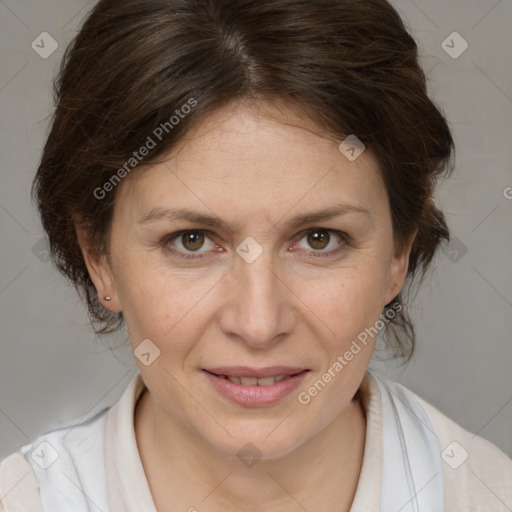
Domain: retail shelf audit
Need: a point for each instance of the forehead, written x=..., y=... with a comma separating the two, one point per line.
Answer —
x=255, y=154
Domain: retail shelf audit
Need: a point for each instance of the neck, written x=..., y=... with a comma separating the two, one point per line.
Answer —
x=321, y=474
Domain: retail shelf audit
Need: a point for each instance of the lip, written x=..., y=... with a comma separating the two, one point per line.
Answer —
x=255, y=396
x=259, y=373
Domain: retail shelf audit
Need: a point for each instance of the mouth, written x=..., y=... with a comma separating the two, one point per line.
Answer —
x=252, y=387
x=253, y=381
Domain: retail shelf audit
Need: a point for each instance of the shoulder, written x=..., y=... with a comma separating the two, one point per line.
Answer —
x=33, y=472
x=19, y=489
x=476, y=473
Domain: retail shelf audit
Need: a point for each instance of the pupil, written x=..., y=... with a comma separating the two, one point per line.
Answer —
x=192, y=241
x=318, y=239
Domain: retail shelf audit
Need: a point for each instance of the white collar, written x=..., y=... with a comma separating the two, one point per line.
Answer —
x=401, y=467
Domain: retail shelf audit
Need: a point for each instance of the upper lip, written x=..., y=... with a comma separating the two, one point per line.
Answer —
x=246, y=371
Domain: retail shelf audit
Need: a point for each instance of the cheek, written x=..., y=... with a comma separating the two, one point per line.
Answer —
x=159, y=304
x=174, y=306
x=348, y=301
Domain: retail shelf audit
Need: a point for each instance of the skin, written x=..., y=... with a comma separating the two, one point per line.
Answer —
x=256, y=167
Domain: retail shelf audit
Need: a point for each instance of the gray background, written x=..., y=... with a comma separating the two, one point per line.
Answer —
x=54, y=371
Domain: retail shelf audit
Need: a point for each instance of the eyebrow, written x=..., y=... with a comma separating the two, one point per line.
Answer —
x=213, y=221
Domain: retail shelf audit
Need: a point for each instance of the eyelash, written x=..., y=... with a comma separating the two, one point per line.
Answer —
x=167, y=241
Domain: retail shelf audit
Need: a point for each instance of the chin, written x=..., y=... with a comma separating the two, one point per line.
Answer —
x=261, y=443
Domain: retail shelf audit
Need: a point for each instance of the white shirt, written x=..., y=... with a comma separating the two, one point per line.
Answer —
x=481, y=483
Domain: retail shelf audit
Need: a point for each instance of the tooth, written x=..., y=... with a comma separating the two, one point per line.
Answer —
x=248, y=381
x=253, y=381
x=266, y=381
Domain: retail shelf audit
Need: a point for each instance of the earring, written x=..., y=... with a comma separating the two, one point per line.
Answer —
x=108, y=298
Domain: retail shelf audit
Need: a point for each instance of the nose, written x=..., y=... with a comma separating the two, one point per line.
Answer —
x=259, y=306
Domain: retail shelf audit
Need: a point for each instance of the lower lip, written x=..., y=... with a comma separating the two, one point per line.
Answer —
x=255, y=396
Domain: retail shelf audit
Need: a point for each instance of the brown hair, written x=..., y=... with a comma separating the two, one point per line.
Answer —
x=351, y=66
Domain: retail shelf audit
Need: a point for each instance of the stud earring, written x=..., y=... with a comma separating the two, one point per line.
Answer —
x=108, y=298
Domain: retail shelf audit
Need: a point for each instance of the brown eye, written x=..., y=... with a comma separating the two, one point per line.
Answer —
x=320, y=242
x=190, y=244
x=192, y=240
x=318, y=239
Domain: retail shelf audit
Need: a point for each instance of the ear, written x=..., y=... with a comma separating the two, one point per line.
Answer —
x=398, y=270
x=99, y=270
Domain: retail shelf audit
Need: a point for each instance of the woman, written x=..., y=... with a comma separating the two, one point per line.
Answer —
x=248, y=186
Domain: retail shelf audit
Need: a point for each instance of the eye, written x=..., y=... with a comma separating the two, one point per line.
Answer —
x=195, y=243
x=188, y=244
x=322, y=242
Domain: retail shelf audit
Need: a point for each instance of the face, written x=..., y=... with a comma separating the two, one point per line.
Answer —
x=256, y=245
